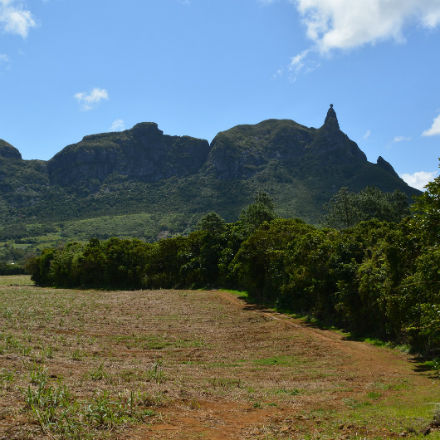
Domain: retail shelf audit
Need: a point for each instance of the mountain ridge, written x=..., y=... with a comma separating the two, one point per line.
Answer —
x=171, y=181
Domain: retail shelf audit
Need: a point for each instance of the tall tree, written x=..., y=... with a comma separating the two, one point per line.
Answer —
x=262, y=210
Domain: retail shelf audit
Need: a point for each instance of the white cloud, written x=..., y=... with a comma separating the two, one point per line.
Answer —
x=297, y=62
x=346, y=24
x=15, y=19
x=302, y=63
x=419, y=179
x=367, y=134
x=435, y=128
x=118, y=125
x=89, y=100
x=401, y=139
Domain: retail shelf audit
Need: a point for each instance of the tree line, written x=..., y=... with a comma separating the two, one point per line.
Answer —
x=374, y=269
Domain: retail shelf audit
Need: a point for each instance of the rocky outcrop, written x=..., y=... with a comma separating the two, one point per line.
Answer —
x=143, y=153
x=7, y=151
x=335, y=145
x=382, y=163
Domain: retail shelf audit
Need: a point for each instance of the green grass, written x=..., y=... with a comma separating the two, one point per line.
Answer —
x=238, y=293
x=16, y=280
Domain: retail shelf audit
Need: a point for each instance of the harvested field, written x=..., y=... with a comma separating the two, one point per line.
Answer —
x=194, y=365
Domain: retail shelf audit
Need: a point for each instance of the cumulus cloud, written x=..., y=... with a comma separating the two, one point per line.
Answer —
x=15, y=19
x=90, y=100
x=118, y=125
x=346, y=24
x=435, y=128
x=398, y=139
x=419, y=179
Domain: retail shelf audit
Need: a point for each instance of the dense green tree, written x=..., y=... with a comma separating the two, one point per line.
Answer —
x=427, y=212
x=212, y=223
x=346, y=208
x=260, y=211
x=342, y=211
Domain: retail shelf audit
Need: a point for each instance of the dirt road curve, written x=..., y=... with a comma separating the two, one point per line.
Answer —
x=358, y=370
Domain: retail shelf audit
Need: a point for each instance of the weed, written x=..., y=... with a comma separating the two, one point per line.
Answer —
x=98, y=373
x=355, y=404
x=433, y=364
x=7, y=314
x=293, y=392
x=77, y=355
x=156, y=373
x=56, y=411
x=6, y=378
x=106, y=413
x=373, y=395
x=46, y=353
x=39, y=376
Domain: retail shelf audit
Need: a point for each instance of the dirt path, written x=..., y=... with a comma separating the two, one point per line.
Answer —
x=374, y=361
x=232, y=420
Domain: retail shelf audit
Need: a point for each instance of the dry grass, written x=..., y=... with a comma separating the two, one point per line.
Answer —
x=184, y=365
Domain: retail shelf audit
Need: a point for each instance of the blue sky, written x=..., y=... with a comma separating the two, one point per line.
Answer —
x=74, y=67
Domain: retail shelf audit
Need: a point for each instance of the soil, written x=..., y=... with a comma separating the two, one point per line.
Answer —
x=210, y=365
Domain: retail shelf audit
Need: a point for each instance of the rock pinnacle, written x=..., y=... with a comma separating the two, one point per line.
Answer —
x=331, y=120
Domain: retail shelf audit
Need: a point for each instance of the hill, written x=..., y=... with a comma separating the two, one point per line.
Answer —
x=141, y=182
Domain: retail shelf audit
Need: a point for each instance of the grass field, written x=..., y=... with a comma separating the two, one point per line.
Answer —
x=194, y=365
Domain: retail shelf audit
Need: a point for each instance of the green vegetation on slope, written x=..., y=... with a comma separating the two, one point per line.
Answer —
x=171, y=182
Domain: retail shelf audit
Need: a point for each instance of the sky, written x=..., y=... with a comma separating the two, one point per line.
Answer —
x=69, y=68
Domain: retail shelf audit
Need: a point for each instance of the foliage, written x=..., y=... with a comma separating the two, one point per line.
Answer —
x=347, y=208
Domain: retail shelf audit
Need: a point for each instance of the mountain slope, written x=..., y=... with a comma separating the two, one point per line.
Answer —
x=172, y=180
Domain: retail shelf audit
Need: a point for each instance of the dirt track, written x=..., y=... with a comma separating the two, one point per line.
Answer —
x=363, y=365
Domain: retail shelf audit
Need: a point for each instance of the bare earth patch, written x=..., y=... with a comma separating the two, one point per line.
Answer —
x=193, y=365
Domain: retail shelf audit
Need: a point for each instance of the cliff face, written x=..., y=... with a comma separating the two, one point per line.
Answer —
x=143, y=153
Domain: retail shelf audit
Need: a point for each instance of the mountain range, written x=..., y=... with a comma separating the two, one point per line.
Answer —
x=144, y=183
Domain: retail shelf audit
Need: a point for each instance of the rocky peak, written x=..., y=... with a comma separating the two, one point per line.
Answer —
x=382, y=163
x=147, y=129
x=8, y=151
x=331, y=120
